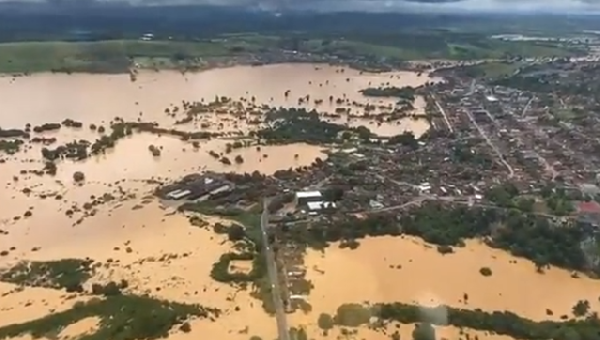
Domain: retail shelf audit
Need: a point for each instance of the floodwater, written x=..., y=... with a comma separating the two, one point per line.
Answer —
x=405, y=331
x=410, y=271
x=44, y=98
x=61, y=226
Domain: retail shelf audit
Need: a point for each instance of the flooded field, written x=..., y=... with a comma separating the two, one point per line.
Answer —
x=405, y=332
x=129, y=232
x=410, y=271
x=99, y=99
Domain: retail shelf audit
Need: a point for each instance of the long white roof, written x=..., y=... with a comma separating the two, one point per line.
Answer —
x=308, y=194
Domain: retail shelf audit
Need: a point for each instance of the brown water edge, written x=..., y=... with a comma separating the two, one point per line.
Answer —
x=405, y=269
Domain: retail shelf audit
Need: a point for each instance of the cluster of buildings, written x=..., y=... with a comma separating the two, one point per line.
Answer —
x=312, y=202
x=481, y=135
x=196, y=187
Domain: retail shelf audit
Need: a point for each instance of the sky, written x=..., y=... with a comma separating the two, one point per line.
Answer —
x=440, y=6
x=543, y=6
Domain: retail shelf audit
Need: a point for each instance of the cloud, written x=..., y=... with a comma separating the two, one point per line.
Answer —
x=429, y=6
x=495, y=6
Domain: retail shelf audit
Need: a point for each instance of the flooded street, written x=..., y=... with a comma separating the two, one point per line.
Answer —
x=51, y=217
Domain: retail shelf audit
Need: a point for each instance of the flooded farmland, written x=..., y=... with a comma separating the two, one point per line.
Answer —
x=407, y=269
x=112, y=217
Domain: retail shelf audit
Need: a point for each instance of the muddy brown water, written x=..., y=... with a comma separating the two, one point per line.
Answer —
x=149, y=229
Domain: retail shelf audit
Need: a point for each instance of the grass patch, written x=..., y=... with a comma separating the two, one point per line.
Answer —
x=250, y=219
x=490, y=69
x=251, y=250
x=116, y=56
x=220, y=271
x=99, y=57
x=10, y=146
x=69, y=274
x=123, y=317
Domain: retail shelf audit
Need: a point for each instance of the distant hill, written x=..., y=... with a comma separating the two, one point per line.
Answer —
x=110, y=19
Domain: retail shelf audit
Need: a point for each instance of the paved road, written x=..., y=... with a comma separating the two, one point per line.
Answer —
x=443, y=113
x=402, y=206
x=527, y=107
x=282, y=328
x=399, y=183
x=472, y=87
x=548, y=168
x=489, y=142
x=459, y=200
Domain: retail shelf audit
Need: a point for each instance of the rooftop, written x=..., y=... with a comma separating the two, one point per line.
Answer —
x=308, y=194
x=313, y=206
x=590, y=207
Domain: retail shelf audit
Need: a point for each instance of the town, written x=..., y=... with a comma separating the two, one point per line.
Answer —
x=314, y=176
x=495, y=146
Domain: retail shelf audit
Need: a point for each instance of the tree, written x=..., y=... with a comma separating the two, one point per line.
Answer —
x=301, y=335
x=78, y=176
x=363, y=132
x=325, y=322
x=50, y=168
x=405, y=139
x=236, y=233
x=581, y=308
x=485, y=271
x=333, y=194
x=567, y=334
x=526, y=204
x=423, y=331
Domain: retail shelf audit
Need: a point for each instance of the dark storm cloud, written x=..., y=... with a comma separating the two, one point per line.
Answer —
x=557, y=6
x=560, y=6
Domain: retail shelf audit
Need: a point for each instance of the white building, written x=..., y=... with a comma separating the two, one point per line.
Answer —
x=319, y=205
x=178, y=194
x=425, y=188
x=303, y=197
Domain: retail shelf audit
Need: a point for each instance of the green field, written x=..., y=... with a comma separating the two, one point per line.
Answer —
x=102, y=57
x=491, y=69
x=117, y=56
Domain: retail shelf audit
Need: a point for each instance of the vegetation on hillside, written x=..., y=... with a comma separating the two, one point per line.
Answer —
x=117, y=54
x=493, y=69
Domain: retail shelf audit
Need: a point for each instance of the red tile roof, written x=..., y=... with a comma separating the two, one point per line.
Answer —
x=591, y=207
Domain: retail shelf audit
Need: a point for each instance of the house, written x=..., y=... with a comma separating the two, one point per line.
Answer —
x=589, y=214
x=375, y=204
x=424, y=188
x=178, y=194
x=588, y=208
x=319, y=205
x=195, y=187
x=303, y=197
